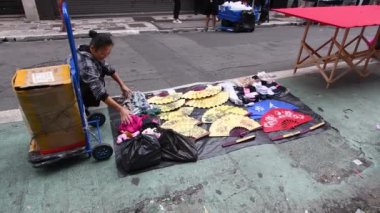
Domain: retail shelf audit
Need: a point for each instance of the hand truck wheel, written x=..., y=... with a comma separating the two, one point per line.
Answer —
x=97, y=116
x=102, y=152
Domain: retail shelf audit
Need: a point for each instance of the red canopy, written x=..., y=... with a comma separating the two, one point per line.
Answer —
x=342, y=16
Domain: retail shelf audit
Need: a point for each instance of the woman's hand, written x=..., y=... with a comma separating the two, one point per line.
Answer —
x=125, y=115
x=126, y=91
x=124, y=112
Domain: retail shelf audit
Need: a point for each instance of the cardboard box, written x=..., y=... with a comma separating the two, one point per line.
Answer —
x=49, y=107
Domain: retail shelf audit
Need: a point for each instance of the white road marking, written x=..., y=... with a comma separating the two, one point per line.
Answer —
x=10, y=116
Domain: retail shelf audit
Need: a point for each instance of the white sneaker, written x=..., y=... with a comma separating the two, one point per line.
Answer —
x=177, y=21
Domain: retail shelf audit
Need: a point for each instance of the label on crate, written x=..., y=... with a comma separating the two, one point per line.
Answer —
x=42, y=77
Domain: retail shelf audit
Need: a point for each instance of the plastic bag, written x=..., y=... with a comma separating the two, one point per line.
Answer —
x=139, y=153
x=176, y=147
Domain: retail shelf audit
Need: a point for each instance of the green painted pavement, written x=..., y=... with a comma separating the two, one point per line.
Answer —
x=311, y=173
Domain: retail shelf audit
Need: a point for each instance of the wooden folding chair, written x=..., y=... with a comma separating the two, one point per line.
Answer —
x=352, y=59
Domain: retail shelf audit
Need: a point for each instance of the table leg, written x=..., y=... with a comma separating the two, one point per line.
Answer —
x=360, y=38
x=332, y=45
x=341, y=48
x=372, y=52
x=302, y=45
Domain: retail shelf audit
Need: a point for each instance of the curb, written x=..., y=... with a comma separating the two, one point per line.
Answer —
x=61, y=36
x=40, y=38
x=200, y=29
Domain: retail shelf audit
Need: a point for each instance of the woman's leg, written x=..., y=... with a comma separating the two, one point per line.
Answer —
x=213, y=21
x=177, y=9
x=207, y=22
x=63, y=26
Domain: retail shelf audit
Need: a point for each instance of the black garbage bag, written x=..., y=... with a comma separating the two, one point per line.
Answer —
x=139, y=153
x=176, y=147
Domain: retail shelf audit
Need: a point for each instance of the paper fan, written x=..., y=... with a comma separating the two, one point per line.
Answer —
x=223, y=126
x=207, y=92
x=183, y=111
x=209, y=102
x=259, y=109
x=282, y=119
x=193, y=131
x=172, y=106
x=186, y=126
x=164, y=99
x=213, y=114
x=180, y=122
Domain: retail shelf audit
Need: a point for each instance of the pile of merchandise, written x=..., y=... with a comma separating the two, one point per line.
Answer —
x=143, y=143
x=234, y=109
x=236, y=6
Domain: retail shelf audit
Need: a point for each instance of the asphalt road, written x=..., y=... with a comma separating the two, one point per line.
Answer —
x=155, y=61
x=311, y=174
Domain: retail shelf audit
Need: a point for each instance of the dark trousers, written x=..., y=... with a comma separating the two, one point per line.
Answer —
x=177, y=8
x=365, y=2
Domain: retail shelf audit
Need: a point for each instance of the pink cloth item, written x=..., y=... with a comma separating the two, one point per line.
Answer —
x=134, y=125
x=135, y=134
x=150, y=131
x=123, y=137
x=246, y=90
x=252, y=95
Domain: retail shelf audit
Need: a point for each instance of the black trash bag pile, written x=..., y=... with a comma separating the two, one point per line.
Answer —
x=176, y=147
x=145, y=151
x=139, y=153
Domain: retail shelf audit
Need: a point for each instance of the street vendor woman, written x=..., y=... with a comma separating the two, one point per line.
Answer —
x=93, y=69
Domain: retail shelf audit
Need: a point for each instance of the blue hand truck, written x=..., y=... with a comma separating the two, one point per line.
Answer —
x=100, y=151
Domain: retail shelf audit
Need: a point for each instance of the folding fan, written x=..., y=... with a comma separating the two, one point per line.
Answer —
x=183, y=111
x=164, y=99
x=180, y=121
x=207, y=92
x=260, y=108
x=193, y=131
x=172, y=106
x=223, y=126
x=215, y=113
x=209, y=102
x=299, y=130
x=186, y=126
x=282, y=119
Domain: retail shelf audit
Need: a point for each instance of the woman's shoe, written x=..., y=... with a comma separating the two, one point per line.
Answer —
x=177, y=21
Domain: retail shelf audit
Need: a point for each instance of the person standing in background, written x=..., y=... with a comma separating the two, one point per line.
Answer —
x=309, y=3
x=177, y=9
x=59, y=4
x=362, y=2
x=211, y=11
x=295, y=3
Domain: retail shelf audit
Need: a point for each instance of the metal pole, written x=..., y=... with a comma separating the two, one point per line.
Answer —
x=75, y=73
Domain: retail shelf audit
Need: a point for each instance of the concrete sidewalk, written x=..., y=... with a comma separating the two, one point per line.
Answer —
x=21, y=30
x=311, y=174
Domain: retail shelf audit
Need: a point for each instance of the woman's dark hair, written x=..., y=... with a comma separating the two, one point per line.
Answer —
x=99, y=40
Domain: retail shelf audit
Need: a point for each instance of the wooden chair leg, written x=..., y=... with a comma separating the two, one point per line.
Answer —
x=341, y=48
x=301, y=46
x=332, y=45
